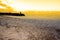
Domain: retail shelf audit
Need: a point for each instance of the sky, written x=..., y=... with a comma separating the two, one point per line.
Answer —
x=40, y=5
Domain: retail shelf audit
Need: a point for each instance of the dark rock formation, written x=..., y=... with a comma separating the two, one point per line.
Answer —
x=13, y=14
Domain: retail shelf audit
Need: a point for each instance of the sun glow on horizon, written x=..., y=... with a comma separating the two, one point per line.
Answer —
x=45, y=5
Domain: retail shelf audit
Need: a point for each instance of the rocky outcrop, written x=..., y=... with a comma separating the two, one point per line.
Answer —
x=11, y=14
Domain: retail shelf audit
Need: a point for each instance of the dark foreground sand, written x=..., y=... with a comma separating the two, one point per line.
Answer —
x=28, y=29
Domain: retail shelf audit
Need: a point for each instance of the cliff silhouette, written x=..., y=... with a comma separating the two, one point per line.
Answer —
x=12, y=14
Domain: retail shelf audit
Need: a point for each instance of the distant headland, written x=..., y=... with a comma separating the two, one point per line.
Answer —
x=12, y=14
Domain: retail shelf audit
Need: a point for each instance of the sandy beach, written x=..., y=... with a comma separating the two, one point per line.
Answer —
x=28, y=29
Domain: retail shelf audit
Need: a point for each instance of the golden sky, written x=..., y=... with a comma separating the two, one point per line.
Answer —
x=41, y=5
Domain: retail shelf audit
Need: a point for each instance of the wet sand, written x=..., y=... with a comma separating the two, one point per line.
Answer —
x=28, y=29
